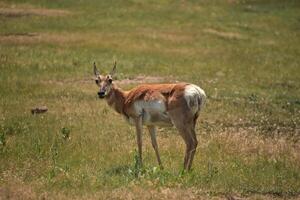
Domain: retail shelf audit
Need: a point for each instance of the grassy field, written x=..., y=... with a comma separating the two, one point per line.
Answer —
x=244, y=53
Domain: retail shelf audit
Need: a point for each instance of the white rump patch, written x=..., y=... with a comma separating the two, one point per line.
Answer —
x=195, y=97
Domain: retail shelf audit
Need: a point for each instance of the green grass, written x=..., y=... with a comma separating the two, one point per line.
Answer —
x=244, y=54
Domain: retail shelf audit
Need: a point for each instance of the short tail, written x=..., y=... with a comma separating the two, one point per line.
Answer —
x=195, y=97
x=202, y=99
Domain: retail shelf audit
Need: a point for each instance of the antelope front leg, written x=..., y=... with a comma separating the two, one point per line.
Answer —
x=154, y=144
x=139, y=131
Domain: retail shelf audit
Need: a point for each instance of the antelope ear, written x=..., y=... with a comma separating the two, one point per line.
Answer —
x=113, y=71
x=96, y=72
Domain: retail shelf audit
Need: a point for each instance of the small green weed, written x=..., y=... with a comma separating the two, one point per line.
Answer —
x=65, y=132
x=2, y=139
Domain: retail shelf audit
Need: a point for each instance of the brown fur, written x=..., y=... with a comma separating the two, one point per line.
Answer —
x=169, y=93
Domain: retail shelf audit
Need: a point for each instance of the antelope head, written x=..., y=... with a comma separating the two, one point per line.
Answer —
x=104, y=82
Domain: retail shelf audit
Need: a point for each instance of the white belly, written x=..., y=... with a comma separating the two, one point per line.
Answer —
x=153, y=113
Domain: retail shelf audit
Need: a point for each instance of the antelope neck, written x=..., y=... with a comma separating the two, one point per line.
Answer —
x=116, y=99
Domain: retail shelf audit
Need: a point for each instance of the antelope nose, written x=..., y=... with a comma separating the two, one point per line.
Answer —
x=101, y=94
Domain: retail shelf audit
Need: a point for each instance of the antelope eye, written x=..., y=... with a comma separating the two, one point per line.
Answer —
x=110, y=80
x=97, y=81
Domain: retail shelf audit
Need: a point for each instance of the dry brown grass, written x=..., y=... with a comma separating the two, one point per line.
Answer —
x=248, y=144
x=17, y=190
x=225, y=35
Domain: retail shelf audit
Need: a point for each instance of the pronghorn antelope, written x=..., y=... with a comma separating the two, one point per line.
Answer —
x=151, y=105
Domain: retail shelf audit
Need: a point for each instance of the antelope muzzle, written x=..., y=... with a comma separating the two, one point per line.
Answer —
x=101, y=95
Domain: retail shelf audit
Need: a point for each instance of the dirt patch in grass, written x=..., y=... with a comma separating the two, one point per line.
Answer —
x=35, y=38
x=28, y=10
x=173, y=36
x=140, y=79
x=136, y=192
x=225, y=35
x=18, y=38
x=15, y=189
